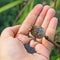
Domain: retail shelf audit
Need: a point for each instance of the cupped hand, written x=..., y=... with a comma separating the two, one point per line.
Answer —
x=12, y=39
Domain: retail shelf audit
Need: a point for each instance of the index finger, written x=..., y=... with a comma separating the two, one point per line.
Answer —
x=30, y=20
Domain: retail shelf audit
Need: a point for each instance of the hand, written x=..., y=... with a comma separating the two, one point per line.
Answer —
x=12, y=39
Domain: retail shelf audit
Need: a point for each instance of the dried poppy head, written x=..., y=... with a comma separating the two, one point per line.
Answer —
x=38, y=32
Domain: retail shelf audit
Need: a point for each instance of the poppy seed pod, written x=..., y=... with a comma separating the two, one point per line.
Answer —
x=38, y=32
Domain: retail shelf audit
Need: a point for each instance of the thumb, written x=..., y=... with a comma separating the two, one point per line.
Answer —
x=10, y=31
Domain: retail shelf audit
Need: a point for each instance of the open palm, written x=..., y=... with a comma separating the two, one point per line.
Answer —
x=12, y=39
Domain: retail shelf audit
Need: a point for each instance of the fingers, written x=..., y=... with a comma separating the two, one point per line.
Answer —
x=41, y=50
x=48, y=17
x=33, y=43
x=10, y=31
x=41, y=18
x=42, y=15
x=30, y=20
x=50, y=32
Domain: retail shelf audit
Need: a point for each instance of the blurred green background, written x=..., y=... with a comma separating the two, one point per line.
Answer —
x=14, y=12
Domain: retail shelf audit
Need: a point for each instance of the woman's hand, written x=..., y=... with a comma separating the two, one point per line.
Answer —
x=12, y=39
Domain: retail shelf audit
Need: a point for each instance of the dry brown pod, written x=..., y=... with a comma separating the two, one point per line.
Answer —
x=39, y=32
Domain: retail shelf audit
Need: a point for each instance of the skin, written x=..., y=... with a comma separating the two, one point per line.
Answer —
x=12, y=39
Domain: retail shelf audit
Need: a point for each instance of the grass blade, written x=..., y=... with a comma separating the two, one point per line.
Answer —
x=10, y=5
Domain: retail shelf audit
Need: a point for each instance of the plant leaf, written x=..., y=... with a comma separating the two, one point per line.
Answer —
x=10, y=5
x=58, y=4
x=47, y=2
x=26, y=11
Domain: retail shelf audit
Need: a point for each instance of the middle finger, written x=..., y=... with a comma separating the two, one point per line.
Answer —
x=42, y=15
